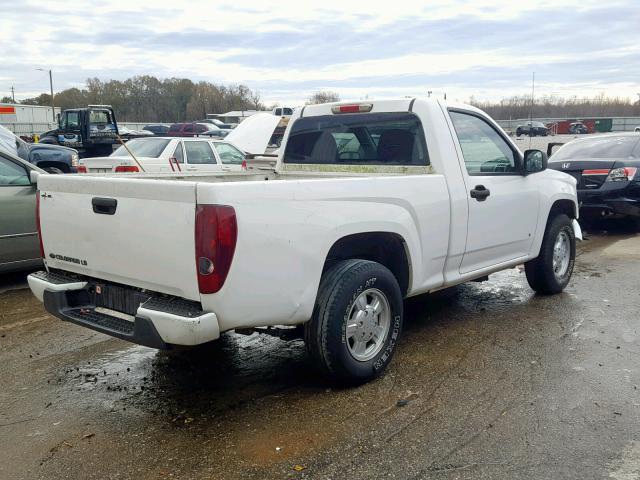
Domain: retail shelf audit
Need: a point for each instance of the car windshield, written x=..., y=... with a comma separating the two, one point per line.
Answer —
x=143, y=147
x=371, y=139
x=599, y=147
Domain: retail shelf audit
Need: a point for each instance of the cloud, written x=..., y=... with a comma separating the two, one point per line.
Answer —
x=288, y=49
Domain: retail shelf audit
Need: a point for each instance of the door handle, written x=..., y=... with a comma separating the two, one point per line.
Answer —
x=104, y=206
x=480, y=193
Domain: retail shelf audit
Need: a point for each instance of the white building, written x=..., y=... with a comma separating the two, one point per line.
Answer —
x=235, y=116
x=27, y=119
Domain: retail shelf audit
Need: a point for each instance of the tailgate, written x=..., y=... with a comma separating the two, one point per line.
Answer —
x=147, y=242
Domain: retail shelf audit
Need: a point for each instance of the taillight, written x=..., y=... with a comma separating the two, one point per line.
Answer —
x=622, y=174
x=81, y=169
x=127, y=168
x=38, y=223
x=216, y=233
x=354, y=108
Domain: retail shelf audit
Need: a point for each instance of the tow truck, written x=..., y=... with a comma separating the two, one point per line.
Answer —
x=92, y=131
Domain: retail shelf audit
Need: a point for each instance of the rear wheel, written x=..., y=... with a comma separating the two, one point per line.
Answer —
x=551, y=271
x=356, y=321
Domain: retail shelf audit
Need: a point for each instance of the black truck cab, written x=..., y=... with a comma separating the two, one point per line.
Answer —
x=92, y=131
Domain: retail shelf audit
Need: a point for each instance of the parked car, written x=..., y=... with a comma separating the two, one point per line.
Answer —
x=128, y=133
x=578, y=128
x=532, y=129
x=332, y=241
x=51, y=158
x=158, y=129
x=19, y=244
x=166, y=154
x=193, y=129
x=606, y=170
x=218, y=123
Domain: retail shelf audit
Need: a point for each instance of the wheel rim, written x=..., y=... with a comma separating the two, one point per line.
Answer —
x=561, y=254
x=368, y=324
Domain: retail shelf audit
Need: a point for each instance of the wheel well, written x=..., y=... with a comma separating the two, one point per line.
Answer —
x=562, y=206
x=61, y=165
x=385, y=248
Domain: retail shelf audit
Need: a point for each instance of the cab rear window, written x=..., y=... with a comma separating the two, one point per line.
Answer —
x=358, y=139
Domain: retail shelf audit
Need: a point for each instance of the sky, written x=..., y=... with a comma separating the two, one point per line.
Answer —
x=286, y=50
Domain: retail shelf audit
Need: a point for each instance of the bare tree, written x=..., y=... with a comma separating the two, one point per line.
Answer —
x=550, y=106
x=323, y=96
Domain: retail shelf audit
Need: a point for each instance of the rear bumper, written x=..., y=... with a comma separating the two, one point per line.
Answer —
x=605, y=205
x=157, y=323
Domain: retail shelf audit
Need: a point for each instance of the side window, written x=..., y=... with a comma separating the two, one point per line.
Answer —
x=177, y=154
x=229, y=154
x=485, y=152
x=199, y=153
x=12, y=174
x=188, y=128
x=200, y=128
x=73, y=123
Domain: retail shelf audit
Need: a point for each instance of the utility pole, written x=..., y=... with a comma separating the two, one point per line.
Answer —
x=533, y=89
x=53, y=108
x=13, y=94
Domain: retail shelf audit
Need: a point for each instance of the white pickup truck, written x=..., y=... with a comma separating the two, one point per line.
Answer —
x=369, y=203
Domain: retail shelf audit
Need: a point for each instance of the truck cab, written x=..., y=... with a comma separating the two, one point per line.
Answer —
x=92, y=131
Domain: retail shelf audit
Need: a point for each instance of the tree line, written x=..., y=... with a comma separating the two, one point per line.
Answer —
x=146, y=98
x=551, y=106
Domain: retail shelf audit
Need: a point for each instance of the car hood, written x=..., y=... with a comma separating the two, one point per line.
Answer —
x=254, y=133
x=51, y=148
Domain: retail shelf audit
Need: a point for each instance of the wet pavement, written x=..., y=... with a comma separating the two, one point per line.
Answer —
x=490, y=381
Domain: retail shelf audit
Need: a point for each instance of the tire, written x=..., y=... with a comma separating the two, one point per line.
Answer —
x=53, y=170
x=540, y=271
x=333, y=347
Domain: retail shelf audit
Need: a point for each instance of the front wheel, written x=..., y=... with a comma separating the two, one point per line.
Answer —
x=551, y=271
x=356, y=321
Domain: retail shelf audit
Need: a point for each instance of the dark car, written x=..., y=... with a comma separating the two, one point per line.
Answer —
x=52, y=158
x=606, y=168
x=194, y=129
x=159, y=130
x=578, y=128
x=532, y=129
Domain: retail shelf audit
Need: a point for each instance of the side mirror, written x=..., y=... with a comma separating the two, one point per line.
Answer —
x=33, y=176
x=551, y=147
x=534, y=161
